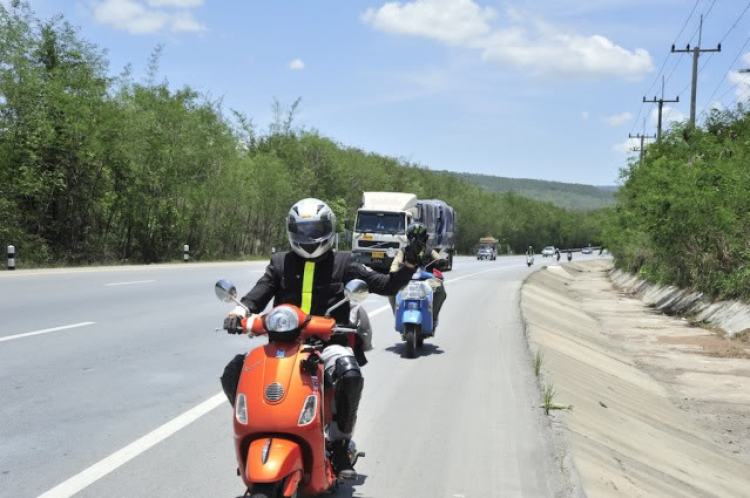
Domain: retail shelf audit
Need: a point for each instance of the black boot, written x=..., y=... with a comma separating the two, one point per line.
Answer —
x=342, y=464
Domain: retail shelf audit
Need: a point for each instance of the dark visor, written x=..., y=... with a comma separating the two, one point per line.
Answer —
x=308, y=231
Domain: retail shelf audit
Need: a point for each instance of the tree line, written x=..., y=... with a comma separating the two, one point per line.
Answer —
x=102, y=168
x=683, y=214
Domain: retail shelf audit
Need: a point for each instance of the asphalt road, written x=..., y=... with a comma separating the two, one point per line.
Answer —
x=109, y=388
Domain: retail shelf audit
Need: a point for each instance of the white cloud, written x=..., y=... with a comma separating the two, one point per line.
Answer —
x=741, y=82
x=136, y=18
x=618, y=119
x=668, y=115
x=543, y=49
x=585, y=115
x=627, y=146
x=297, y=65
x=450, y=21
x=183, y=4
x=524, y=42
x=185, y=21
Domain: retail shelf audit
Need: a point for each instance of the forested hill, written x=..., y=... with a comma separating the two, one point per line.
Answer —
x=567, y=195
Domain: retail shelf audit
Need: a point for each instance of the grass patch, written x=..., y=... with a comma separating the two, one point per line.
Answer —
x=549, y=400
x=538, y=361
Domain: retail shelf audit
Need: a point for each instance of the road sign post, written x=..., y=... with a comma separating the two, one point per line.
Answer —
x=11, y=258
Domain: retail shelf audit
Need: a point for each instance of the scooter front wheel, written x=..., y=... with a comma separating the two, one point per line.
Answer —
x=265, y=490
x=411, y=335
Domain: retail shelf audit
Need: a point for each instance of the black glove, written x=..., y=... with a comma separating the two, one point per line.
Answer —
x=233, y=324
x=414, y=253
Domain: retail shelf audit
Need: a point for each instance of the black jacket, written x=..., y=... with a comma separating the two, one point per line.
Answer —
x=283, y=278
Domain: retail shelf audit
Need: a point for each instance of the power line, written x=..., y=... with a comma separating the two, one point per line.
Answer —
x=666, y=58
x=731, y=28
x=708, y=102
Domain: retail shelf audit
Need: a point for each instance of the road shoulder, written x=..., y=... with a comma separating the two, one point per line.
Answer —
x=605, y=355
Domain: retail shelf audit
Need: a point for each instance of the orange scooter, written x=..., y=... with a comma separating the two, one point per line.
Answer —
x=282, y=404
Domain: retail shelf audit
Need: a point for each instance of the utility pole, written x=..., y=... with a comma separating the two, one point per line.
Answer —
x=696, y=51
x=643, y=137
x=661, y=102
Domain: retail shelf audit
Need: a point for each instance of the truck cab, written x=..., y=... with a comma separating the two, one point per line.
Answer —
x=380, y=227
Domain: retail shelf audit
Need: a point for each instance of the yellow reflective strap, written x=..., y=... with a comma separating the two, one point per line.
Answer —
x=307, y=286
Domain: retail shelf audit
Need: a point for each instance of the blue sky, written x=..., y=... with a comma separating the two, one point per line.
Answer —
x=544, y=89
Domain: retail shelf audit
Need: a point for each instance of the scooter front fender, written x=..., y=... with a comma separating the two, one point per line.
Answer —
x=412, y=316
x=273, y=462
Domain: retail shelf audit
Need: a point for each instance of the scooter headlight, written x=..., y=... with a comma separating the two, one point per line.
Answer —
x=240, y=409
x=415, y=291
x=282, y=319
x=307, y=415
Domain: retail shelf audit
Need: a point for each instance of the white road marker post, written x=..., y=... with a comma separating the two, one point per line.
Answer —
x=186, y=252
x=11, y=258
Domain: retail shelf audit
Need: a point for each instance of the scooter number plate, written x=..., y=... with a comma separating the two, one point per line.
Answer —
x=378, y=255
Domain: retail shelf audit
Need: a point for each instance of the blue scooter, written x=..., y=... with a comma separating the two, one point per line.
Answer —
x=414, y=311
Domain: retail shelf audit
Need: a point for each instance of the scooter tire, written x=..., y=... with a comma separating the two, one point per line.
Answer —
x=265, y=490
x=410, y=337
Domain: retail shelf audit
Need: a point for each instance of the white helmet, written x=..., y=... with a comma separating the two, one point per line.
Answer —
x=311, y=227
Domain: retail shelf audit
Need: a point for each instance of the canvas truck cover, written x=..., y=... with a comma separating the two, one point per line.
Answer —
x=393, y=202
x=445, y=226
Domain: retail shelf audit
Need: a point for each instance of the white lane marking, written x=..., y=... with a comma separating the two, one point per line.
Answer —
x=100, y=469
x=45, y=331
x=378, y=311
x=134, y=282
x=119, y=458
x=483, y=271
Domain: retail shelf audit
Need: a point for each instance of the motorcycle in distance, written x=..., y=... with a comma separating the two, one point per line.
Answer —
x=283, y=403
x=414, y=319
x=529, y=260
x=570, y=256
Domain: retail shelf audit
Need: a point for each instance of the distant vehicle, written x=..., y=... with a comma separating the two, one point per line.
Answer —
x=486, y=252
x=587, y=250
x=548, y=251
x=487, y=248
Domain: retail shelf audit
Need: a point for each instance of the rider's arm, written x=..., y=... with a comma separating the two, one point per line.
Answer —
x=378, y=283
x=265, y=289
x=398, y=262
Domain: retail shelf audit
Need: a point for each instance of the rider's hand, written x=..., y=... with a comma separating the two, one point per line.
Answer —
x=233, y=322
x=413, y=253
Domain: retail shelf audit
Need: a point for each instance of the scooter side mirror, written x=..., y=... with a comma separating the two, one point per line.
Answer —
x=225, y=291
x=356, y=291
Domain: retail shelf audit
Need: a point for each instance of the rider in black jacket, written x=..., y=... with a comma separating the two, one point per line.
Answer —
x=312, y=276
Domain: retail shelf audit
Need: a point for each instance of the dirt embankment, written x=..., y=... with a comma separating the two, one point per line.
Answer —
x=658, y=408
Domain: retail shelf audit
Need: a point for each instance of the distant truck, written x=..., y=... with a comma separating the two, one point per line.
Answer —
x=380, y=227
x=440, y=220
x=487, y=248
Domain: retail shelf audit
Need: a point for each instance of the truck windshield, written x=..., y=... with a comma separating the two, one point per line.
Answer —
x=381, y=222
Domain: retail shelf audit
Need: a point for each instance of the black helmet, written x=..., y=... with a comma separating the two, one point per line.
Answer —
x=417, y=232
